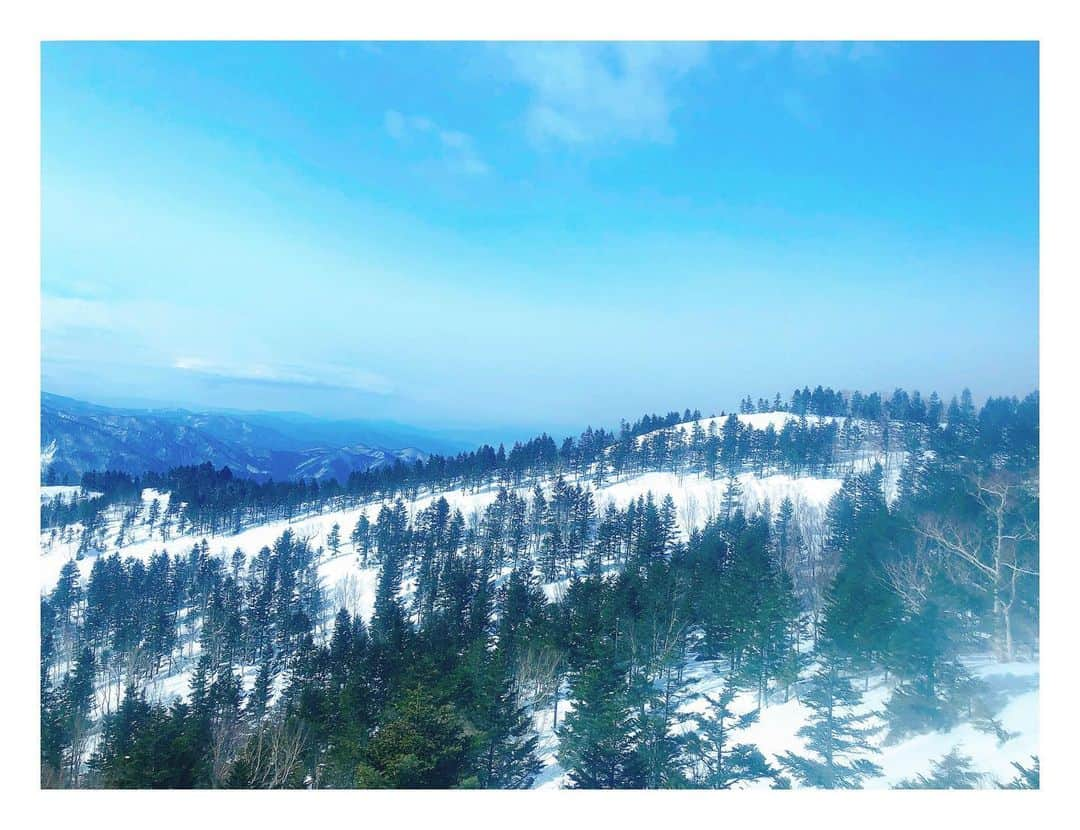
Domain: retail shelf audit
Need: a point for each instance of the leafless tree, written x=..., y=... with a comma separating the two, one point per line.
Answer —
x=910, y=575
x=689, y=512
x=347, y=593
x=226, y=737
x=273, y=753
x=538, y=675
x=990, y=552
x=712, y=504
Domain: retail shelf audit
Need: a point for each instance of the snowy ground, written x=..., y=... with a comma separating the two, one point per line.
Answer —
x=68, y=493
x=755, y=420
x=1016, y=685
x=697, y=499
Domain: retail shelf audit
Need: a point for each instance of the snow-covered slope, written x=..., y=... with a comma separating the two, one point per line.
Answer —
x=754, y=420
x=776, y=729
x=697, y=499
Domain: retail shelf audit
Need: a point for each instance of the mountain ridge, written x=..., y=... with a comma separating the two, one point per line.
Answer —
x=78, y=436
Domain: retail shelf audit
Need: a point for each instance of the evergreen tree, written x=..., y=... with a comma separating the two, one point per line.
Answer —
x=934, y=689
x=421, y=745
x=1027, y=778
x=718, y=762
x=507, y=742
x=597, y=741
x=952, y=772
x=77, y=708
x=836, y=736
x=333, y=540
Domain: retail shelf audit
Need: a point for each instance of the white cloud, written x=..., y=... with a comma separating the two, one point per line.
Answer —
x=146, y=336
x=454, y=148
x=819, y=57
x=324, y=377
x=799, y=108
x=588, y=93
x=395, y=124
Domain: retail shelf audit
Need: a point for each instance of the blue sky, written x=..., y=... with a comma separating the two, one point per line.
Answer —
x=535, y=235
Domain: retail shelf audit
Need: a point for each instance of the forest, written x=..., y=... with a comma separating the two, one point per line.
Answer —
x=598, y=616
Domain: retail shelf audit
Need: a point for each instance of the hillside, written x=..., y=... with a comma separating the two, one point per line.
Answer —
x=348, y=549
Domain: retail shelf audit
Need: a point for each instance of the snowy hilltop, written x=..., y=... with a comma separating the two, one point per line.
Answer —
x=675, y=604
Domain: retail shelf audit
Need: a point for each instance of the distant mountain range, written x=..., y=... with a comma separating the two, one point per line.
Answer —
x=77, y=436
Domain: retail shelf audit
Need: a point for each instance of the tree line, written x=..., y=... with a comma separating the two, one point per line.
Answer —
x=545, y=614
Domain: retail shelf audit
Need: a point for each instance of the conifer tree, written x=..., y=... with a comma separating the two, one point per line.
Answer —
x=597, y=740
x=333, y=540
x=1027, y=778
x=837, y=738
x=951, y=772
x=78, y=708
x=421, y=745
x=507, y=742
x=719, y=762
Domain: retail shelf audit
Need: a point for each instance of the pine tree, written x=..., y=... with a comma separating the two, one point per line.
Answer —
x=659, y=695
x=389, y=620
x=598, y=742
x=836, y=737
x=259, y=697
x=1027, y=778
x=361, y=539
x=862, y=608
x=718, y=762
x=421, y=745
x=669, y=528
x=77, y=706
x=153, y=513
x=732, y=497
x=934, y=688
x=507, y=741
x=952, y=772
x=333, y=540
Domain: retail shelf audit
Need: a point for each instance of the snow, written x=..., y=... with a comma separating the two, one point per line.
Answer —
x=551, y=776
x=1019, y=682
x=48, y=453
x=776, y=730
x=697, y=498
x=68, y=493
x=754, y=420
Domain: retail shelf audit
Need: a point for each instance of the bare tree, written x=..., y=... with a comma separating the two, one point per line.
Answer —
x=347, y=593
x=989, y=551
x=538, y=675
x=273, y=753
x=226, y=738
x=910, y=576
x=712, y=503
x=689, y=512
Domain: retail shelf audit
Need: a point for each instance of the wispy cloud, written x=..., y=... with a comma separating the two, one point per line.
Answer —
x=456, y=150
x=588, y=93
x=292, y=375
x=810, y=62
x=799, y=108
x=820, y=57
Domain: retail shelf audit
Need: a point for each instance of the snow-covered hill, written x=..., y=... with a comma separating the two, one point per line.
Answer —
x=697, y=499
